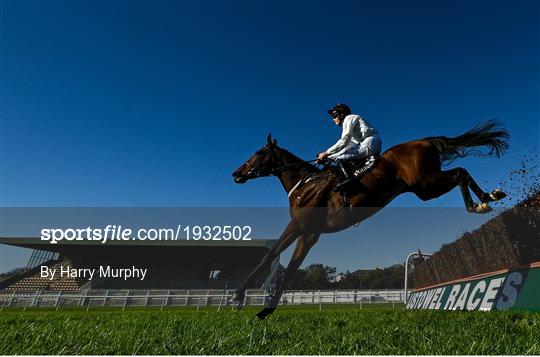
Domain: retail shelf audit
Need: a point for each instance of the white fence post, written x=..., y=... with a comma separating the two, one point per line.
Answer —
x=165, y=300
x=57, y=304
x=125, y=301
x=11, y=299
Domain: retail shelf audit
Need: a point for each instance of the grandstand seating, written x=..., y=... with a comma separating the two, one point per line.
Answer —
x=166, y=276
x=174, y=266
x=32, y=280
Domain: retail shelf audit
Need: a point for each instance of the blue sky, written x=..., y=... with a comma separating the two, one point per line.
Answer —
x=156, y=103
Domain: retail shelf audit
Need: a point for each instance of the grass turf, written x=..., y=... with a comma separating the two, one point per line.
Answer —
x=298, y=330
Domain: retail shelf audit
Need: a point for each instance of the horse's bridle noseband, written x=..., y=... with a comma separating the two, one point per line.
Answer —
x=264, y=172
x=258, y=173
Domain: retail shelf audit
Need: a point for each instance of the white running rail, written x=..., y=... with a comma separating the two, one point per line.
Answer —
x=194, y=297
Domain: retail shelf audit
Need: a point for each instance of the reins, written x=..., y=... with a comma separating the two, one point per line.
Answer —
x=284, y=167
x=276, y=170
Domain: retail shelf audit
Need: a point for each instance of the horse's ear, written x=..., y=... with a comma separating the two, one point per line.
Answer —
x=269, y=139
x=275, y=142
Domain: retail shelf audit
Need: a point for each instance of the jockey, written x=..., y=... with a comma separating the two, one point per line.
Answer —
x=359, y=140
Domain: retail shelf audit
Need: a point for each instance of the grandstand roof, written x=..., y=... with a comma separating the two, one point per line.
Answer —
x=37, y=243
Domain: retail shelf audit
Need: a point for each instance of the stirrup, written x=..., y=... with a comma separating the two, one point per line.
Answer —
x=342, y=186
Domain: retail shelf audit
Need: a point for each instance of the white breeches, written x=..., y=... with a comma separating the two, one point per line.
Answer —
x=371, y=146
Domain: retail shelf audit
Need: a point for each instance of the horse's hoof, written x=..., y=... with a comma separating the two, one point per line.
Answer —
x=238, y=300
x=482, y=208
x=265, y=312
x=497, y=194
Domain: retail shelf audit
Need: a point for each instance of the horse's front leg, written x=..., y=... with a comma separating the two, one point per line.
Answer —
x=285, y=240
x=303, y=245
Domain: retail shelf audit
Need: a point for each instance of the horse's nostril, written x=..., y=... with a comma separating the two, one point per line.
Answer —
x=234, y=174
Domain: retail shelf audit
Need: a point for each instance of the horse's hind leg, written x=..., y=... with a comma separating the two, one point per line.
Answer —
x=484, y=197
x=437, y=184
x=285, y=240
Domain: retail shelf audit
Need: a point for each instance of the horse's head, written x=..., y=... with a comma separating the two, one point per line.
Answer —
x=260, y=164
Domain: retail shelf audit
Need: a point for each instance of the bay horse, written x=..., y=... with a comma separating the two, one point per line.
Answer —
x=316, y=208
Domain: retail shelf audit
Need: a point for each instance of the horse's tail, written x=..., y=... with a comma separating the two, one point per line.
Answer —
x=490, y=134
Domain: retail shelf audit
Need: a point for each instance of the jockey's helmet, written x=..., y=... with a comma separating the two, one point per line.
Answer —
x=340, y=110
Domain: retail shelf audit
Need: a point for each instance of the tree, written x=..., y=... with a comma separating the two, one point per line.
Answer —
x=314, y=277
x=318, y=277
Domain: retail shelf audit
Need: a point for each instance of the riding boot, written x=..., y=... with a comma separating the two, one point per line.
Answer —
x=347, y=177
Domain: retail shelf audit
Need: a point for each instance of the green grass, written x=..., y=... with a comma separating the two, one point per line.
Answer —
x=297, y=330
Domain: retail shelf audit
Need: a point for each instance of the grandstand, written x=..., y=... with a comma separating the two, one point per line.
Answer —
x=177, y=264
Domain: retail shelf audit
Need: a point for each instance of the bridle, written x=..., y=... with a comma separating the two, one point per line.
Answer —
x=254, y=173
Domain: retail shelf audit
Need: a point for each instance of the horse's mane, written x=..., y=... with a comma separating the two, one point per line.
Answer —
x=296, y=160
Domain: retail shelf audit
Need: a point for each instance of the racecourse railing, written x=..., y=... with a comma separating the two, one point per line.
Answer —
x=195, y=298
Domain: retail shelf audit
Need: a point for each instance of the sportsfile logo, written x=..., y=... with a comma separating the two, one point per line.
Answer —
x=498, y=293
x=113, y=232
